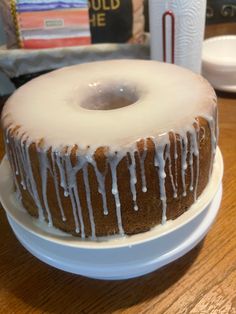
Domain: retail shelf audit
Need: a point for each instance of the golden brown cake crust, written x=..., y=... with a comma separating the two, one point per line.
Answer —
x=150, y=206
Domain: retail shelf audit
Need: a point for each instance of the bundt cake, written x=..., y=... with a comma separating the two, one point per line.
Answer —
x=113, y=147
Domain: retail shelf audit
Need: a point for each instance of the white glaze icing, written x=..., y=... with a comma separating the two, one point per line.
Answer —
x=133, y=180
x=44, y=166
x=169, y=97
x=88, y=197
x=191, y=161
x=175, y=159
x=168, y=157
x=142, y=158
x=114, y=162
x=160, y=164
x=101, y=181
x=69, y=186
x=23, y=145
x=55, y=178
x=59, y=110
x=196, y=153
x=184, y=152
x=13, y=161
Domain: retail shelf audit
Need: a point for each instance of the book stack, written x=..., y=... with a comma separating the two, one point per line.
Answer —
x=52, y=23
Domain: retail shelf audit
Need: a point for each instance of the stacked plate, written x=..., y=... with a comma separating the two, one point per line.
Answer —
x=219, y=62
x=114, y=258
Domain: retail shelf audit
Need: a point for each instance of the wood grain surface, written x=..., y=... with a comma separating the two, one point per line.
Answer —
x=203, y=281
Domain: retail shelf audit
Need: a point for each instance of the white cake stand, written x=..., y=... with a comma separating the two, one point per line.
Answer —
x=116, y=258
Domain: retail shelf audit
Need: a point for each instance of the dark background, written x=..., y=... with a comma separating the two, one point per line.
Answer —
x=218, y=11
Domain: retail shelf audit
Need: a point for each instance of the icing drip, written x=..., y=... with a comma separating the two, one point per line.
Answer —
x=175, y=158
x=212, y=126
x=71, y=190
x=44, y=166
x=101, y=184
x=88, y=197
x=13, y=154
x=168, y=157
x=196, y=144
x=24, y=181
x=184, y=151
x=142, y=158
x=77, y=200
x=203, y=133
x=114, y=161
x=133, y=179
x=55, y=179
x=60, y=163
x=12, y=159
x=72, y=198
x=191, y=160
x=18, y=169
x=68, y=186
x=32, y=188
x=160, y=163
x=22, y=164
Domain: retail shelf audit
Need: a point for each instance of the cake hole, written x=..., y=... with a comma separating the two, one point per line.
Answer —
x=114, y=96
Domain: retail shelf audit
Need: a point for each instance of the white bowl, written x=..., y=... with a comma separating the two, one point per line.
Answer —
x=219, y=62
x=116, y=258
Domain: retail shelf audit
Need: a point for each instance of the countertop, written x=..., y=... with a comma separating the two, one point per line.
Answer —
x=202, y=281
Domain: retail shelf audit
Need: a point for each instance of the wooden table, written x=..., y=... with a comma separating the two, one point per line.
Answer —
x=203, y=281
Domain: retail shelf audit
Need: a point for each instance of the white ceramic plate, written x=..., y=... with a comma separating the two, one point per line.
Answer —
x=41, y=229
x=219, y=62
x=118, y=258
x=121, y=262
